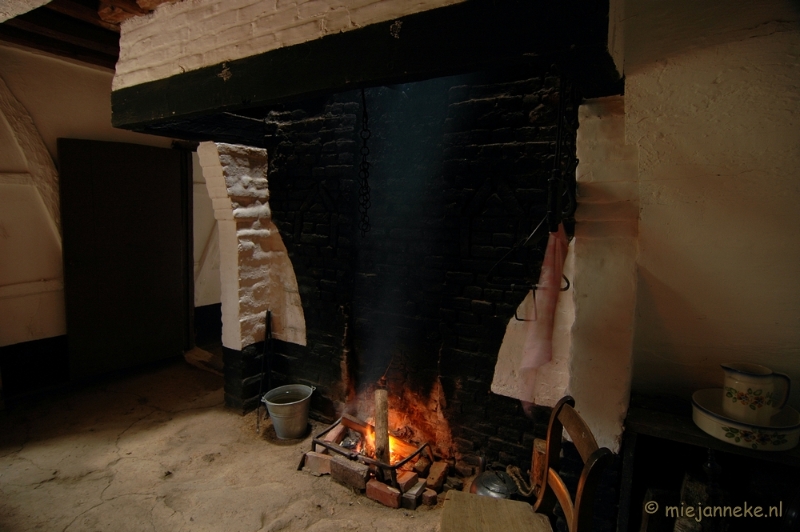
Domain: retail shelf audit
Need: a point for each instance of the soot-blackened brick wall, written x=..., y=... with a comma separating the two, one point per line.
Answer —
x=459, y=170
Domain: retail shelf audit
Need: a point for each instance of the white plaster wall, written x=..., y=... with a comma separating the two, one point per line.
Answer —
x=31, y=285
x=192, y=34
x=13, y=159
x=42, y=98
x=207, y=290
x=605, y=251
x=718, y=132
x=65, y=99
x=655, y=30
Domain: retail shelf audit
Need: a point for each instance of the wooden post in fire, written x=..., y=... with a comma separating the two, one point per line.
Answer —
x=382, y=425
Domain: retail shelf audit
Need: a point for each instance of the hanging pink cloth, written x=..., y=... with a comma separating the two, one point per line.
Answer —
x=538, y=349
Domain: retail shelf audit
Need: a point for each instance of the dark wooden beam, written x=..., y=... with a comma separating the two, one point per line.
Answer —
x=81, y=12
x=470, y=36
x=55, y=47
x=58, y=27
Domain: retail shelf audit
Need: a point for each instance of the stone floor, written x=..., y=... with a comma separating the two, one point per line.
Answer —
x=157, y=451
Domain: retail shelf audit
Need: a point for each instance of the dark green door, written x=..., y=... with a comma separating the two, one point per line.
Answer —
x=125, y=218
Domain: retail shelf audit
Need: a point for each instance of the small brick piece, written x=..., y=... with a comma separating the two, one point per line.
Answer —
x=422, y=467
x=384, y=494
x=437, y=475
x=407, y=480
x=350, y=473
x=411, y=498
x=335, y=435
x=409, y=503
x=429, y=497
x=318, y=464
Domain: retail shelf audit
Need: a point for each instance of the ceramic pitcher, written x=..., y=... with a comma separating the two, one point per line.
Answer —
x=753, y=393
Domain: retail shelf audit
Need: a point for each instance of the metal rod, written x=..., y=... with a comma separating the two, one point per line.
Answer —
x=267, y=334
x=268, y=349
x=352, y=455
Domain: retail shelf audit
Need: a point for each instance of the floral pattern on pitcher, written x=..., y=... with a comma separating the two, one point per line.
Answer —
x=754, y=399
x=755, y=438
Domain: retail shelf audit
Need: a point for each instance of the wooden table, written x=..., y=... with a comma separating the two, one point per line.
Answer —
x=678, y=428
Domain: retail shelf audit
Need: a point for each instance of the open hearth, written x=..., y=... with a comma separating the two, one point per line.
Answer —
x=459, y=177
x=411, y=475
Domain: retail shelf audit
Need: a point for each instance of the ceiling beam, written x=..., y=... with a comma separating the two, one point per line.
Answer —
x=55, y=47
x=81, y=12
x=60, y=28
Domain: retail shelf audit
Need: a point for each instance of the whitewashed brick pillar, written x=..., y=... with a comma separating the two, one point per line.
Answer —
x=255, y=271
x=604, y=285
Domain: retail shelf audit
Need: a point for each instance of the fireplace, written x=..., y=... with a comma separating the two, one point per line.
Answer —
x=431, y=276
x=459, y=169
x=421, y=304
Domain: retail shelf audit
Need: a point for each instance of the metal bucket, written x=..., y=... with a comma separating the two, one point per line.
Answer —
x=288, y=408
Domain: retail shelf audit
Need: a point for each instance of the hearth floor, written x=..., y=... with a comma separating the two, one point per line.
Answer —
x=158, y=451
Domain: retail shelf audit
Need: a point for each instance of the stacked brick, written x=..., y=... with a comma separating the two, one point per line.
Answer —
x=418, y=482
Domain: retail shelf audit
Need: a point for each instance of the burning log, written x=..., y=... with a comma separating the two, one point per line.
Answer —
x=382, y=425
x=396, y=445
x=353, y=423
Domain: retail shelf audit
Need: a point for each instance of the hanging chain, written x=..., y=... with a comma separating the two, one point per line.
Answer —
x=363, y=171
x=565, y=161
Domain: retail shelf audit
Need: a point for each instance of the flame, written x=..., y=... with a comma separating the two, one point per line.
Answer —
x=414, y=418
x=395, y=446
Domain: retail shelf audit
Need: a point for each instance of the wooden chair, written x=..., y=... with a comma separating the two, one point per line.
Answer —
x=465, y=512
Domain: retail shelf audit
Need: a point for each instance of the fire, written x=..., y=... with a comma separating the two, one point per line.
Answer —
x=397, y=448
x=413, y=419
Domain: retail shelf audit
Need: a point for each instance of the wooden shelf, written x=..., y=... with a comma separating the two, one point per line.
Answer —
x=682, y=429
x=643, y=423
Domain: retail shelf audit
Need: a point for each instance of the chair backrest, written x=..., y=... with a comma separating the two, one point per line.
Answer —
x=577, y=513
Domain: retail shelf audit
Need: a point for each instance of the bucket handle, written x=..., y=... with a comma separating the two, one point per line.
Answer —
x=264, y=397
